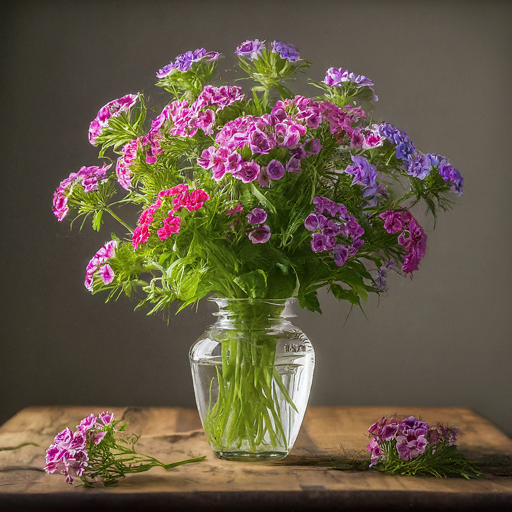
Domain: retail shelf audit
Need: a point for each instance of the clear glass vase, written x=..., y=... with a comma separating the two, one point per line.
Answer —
x=252, y=372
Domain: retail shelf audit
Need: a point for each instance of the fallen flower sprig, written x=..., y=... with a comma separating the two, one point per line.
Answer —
x=412, y=447
x=95, y=450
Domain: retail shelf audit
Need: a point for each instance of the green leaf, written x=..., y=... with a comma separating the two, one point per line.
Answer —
x=343, y=294
x=263, y=200
x=310, y=301
x=97, y=220
x=253, y=283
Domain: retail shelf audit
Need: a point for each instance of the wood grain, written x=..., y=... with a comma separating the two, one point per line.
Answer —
x=304, y=480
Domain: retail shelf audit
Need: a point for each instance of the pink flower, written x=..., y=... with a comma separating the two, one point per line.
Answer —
x=104, y=254
x=106, y=273
x=97, y=438
x=112, y=109
x=236, y=209
x=106, y=418
x=87, y=423
x=171, y=225
x=206, y=120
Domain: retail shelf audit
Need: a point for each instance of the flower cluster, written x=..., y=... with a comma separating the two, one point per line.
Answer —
x=125, y=161
x=179, y=198
x=89, y=178
x=326, y=231
x=187, y=120
x=69, y=449
x=412, y=237
x=96, y=450
x=253, y=49
x=409, y=437
x=336, y=76
x=365, y=174
x=112, y=109
x=420, y=165
x=184, y=62
x=287, y=51
x=262, y=233
x=98, y=264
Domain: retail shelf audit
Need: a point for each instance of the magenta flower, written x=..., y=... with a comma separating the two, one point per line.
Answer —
x=112, y=109
x=257, y=216
x=248, y=172
x=106, y=417
x=205, y=120
x=236, y=209
x=260, y=235
x=393, y=221
x=106, y=273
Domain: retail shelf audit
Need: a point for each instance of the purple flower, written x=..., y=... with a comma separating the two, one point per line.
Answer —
x=263, y=178
x=260, y=235
x=314, y=221
x=250, y=49
x=259, y=142
x=249, y=172
x=275, y=170
x=286, y=51
x=318, y=243
x=340, y=254
x=336, y=76
x=330, y=228
x=313, y=146
x=419, y=166
x=389, y=431
x=452, y=176
x=363, y=172
x=293, y=165
x=299, y=151
x=184, y=61
x=233, y=163
x=257, y=216
x=393, y=221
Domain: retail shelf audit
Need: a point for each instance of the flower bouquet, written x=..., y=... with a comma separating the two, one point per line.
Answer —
x=255, y=198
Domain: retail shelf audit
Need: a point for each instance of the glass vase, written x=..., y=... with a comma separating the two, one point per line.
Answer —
x=252, y=373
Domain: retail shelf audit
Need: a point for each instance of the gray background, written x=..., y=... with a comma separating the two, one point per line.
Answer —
x=442, y=72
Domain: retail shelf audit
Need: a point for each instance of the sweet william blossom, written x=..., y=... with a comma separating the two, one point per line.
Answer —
x=250, y=49
x=260, y=235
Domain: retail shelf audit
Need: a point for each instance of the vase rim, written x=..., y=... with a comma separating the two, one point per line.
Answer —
x=277, y=302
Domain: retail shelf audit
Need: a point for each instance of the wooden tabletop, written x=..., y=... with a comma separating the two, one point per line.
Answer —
x=305, y=480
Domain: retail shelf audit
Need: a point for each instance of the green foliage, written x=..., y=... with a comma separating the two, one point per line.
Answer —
x=440, y=461
x=115, y=457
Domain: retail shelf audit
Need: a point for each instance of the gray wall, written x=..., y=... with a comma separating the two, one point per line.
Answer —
x=442, y=71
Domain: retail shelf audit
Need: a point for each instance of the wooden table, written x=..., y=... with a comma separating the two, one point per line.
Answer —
x=305, y=480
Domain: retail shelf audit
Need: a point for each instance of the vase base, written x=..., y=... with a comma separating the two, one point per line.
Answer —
x=250, y=457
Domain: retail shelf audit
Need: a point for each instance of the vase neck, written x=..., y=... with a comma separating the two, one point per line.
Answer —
x=253, y=314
